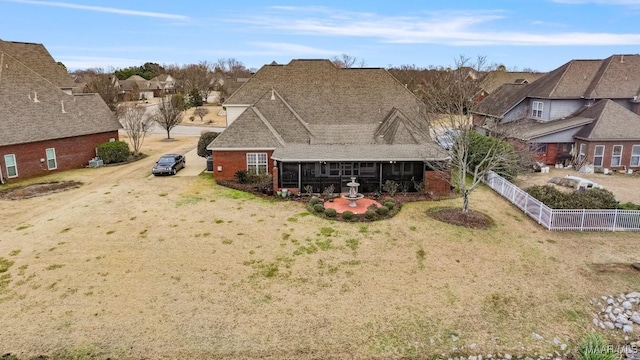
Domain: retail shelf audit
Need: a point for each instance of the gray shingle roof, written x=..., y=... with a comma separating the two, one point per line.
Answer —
x=530, y=129
x=32, y=108
x=494, y=79
x=502, y=100
x=612, y=122
x=617, y=77
x=37, y=58
x=314, y=102
x=359, y=152
x=249, y=131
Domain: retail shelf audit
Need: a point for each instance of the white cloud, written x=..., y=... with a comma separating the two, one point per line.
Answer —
x=103, y=9
x=449, y=28
x=73, y=62
x=288, y=48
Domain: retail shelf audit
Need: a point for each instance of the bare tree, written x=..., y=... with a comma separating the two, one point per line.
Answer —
x=136, y=124
x=105, y=85
x=448, y=97
x=348, y=61
x=196, y=77
x=231, y=67
x=201, y=112
x=169, y=113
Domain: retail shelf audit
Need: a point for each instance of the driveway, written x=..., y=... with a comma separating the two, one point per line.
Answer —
x=195, y=164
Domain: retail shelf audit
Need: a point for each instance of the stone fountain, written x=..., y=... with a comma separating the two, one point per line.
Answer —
x=353, y=194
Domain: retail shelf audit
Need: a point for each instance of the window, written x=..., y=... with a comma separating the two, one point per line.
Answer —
x=582, y=155
x=334, y=169
x=12, y=167
x=403, y=168
x=52, y=164
x=536, y=110
x=635, y=155
x=616, y=157
x=565, y=147
x=538, y=148
x=257, y=163
x=598, y=155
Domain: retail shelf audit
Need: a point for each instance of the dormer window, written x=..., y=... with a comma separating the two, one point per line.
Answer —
x=536, y=109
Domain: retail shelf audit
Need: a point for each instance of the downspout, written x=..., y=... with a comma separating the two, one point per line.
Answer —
x=380, y=179
x=299, y=178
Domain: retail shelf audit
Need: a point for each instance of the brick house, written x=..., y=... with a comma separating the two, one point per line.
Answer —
x=585, y=112
x=310, y=122
x=43, y=126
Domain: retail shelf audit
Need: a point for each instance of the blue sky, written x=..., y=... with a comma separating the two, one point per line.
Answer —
x=540, y=35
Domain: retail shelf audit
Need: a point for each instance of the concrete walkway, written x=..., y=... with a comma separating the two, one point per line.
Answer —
x=194, y=164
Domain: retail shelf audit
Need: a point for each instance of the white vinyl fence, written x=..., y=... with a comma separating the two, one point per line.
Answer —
x=556, y=219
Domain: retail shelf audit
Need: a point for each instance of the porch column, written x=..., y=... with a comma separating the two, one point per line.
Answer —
x=275, y=175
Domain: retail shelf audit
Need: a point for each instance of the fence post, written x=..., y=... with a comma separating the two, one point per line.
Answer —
x=582, y=222
x=615, y=220
x=551, y=215
x=526, y=200
x=539, y=214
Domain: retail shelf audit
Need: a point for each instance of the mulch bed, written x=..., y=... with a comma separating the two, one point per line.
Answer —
x=40, y=189
x=455, y=216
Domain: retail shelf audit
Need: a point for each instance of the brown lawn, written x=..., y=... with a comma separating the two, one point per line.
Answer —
x=132, y=266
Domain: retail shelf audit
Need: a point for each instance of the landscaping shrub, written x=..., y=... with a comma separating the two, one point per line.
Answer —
x=315, y=200
x=370, y=214
x=389, y=204
x=114, y=152
x=330, y=212
x=318, y=208
x=587, y=199
x=391, y=187
x=347, y=215
x=383, y=210
x=593, y=347
x=242, y=177
x=206, y=139
x=629, y=206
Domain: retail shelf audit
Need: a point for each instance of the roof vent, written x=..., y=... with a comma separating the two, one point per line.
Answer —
x=35, y=97
x=62, y=104
x=273, y=94
x=622, y=59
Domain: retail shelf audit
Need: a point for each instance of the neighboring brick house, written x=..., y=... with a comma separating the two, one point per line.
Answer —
x=312, y=123
x=586, y=112
x=43, y=127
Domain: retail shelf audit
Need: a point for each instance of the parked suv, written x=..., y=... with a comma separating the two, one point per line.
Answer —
x=168, y=164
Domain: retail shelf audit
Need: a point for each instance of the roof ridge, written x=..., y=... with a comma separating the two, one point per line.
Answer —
x=1, y=64
x=295, y=114
x=274, y=132
x=564, y=73
x=599, y=76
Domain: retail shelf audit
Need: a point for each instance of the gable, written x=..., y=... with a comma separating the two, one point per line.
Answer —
x=34, y=109
x=249, y=131
x=37, y=58
x=612, y=122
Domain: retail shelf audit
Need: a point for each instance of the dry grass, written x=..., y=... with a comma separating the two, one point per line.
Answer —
x=211, y=119
x=132, y=266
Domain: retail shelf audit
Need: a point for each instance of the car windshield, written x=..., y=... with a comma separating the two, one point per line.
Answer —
x=166, y=161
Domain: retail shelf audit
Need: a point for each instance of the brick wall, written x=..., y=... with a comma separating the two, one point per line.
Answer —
x=233, y=161
x=608, y=152
x=73, y=152
x=438, y=182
